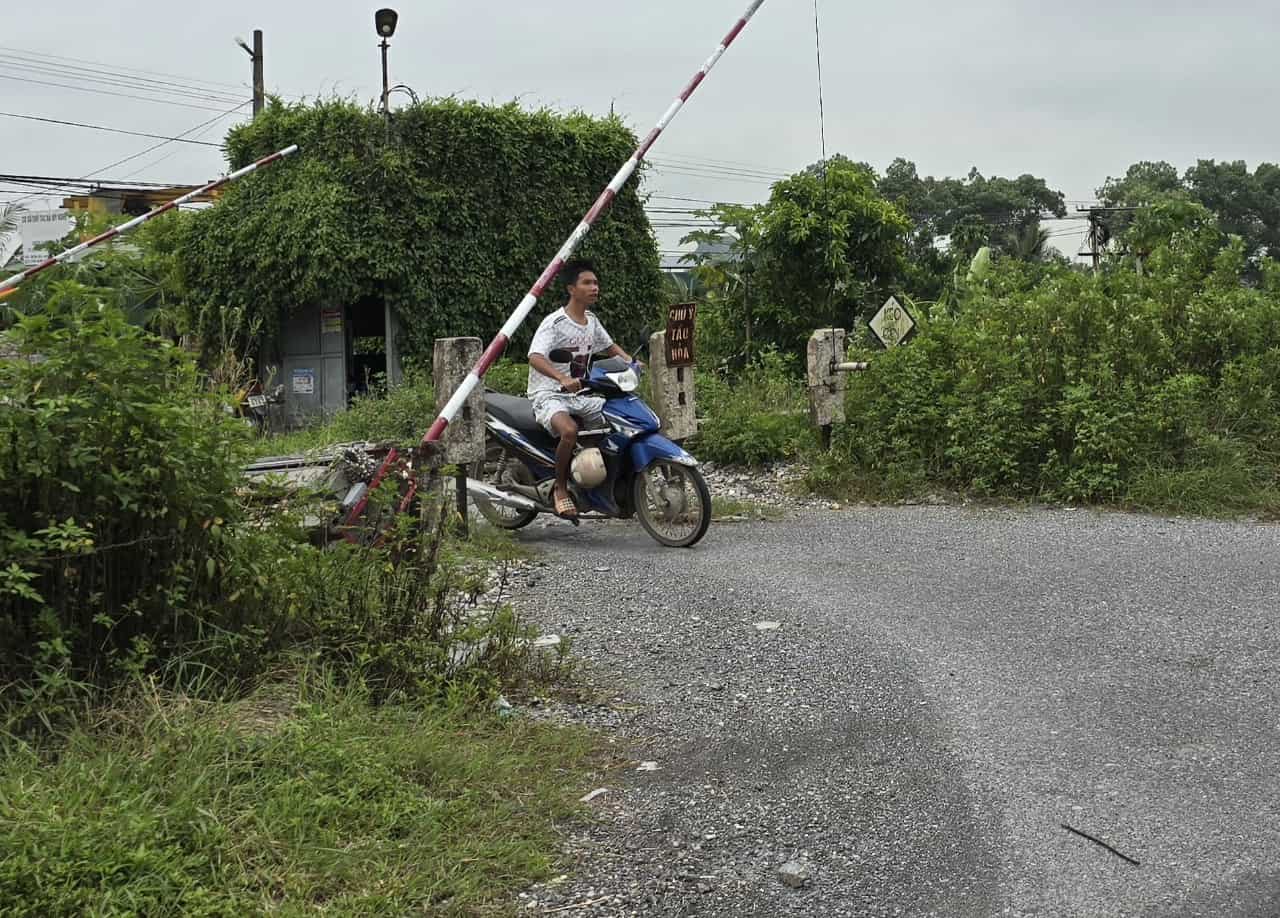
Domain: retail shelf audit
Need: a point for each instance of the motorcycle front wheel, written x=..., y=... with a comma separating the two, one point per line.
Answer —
x=495, y=469
x=673, y=503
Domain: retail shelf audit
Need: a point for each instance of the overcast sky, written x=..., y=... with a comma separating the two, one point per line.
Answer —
x=1073, y=94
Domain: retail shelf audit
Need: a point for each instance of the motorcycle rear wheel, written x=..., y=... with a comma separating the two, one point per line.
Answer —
x=490, y=470
x=673, y=503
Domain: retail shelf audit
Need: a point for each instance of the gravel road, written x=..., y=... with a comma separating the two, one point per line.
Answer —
x=944, y=689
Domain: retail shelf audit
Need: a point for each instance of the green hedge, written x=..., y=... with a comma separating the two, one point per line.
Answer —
x=451, y=214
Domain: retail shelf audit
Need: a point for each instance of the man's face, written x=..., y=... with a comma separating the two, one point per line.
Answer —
x=586, y=289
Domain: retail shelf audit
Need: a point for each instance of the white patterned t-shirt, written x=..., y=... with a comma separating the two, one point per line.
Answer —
x=559, y=332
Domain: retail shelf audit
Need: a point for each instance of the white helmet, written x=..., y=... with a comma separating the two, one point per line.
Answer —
x=588, y=469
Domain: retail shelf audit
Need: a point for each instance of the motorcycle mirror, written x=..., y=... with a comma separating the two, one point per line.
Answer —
x=561, y=355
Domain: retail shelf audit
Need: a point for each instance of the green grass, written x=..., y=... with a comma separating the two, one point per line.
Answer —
x=295, y=801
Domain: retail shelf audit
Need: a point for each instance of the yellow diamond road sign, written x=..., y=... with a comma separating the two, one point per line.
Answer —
x=892, y=323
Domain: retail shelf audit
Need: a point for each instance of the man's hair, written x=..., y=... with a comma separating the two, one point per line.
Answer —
x=570, y=272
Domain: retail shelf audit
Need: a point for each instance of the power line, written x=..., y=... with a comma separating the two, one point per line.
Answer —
x=755, y=167
x=79, y=60
x=750, y=180
x=822, y=116
x=188, y=92
x=28, y=60
x=98, y=127
x=107, y=92
x=666, y=165
x=203, y=124
x=715, y=167
x=670, y=197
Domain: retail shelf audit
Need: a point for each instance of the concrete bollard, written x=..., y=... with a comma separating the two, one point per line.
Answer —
x=673, y=392
x=826, y=380
x=463, y=441
x=464, y=438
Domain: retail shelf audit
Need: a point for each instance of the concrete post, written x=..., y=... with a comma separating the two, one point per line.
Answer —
x=452, y=360
x=395, y=374
x=463, y=441
x=672, y=389
x=826, y=384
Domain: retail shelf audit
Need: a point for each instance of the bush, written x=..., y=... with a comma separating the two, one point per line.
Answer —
x=400, y=415
x=1051, y=383
x=448, y=215
x=119, y=476
x=759, y=416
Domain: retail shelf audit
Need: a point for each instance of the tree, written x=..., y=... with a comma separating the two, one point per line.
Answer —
x=1244, y=203
x=1031, y=244
x=8, y=226
x=969, y=213
x=1143, y=183
x=1247, y=204
x=825, y=249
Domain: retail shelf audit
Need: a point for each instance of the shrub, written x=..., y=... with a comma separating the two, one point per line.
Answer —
x=400, y=415
x=1056, y=384
x=757, y=417
x=119, y=476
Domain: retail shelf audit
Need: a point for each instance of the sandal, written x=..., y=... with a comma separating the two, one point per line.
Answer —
x=566, y=508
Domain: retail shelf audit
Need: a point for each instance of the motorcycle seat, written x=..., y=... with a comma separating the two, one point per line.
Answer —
x=513, y=411
x=517, y=413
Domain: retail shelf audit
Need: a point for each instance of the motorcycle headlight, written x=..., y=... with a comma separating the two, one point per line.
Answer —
x=627, y=380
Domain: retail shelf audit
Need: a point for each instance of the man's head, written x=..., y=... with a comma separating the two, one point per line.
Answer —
x=579, y=278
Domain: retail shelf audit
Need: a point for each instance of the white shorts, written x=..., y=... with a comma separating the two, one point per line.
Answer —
x=588, y=409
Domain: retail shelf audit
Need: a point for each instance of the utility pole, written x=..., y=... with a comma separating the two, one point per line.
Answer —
x=1100, y=232
x=255, y=55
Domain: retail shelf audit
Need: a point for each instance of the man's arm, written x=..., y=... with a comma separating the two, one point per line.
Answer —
x=615, y=351
x=544, y=366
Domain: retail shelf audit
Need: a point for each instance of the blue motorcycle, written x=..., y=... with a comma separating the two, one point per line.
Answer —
x=623, y=469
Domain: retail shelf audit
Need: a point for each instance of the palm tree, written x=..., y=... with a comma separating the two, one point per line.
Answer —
x=1031, y=243
x=9, y=214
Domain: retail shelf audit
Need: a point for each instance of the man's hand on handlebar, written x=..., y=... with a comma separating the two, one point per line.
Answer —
x=570, y=385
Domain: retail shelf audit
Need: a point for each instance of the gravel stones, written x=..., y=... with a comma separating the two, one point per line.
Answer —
x=794, y=874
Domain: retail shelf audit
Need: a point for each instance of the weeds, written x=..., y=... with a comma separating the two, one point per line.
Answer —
x=303, y=797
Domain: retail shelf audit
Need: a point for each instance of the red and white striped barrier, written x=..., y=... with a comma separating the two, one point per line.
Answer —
x=499, y=344
x=138, y=221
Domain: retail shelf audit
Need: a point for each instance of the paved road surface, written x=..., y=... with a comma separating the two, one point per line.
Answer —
x=947, y=687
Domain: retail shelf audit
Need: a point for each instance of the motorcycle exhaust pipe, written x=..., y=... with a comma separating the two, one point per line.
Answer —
x=481, y=491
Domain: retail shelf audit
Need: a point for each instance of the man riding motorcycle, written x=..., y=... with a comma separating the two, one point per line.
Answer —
x=554, y=387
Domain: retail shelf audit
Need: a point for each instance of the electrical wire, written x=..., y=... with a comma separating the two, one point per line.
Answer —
x=713, y=167
x=203, y=124
x=107, y=92
x=754, y=167
x=79, y=60
x=155, y=87
x=822, y=115
x=99, y=127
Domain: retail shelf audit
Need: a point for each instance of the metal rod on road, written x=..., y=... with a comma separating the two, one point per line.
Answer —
x=499, y=344
x=138, y=221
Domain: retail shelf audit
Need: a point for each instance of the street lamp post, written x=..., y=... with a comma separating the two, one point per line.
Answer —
x=385, y=22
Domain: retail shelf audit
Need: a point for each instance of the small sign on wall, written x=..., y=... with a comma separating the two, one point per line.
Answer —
x=679, y=338
x=331, y=321
x=304, y=381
